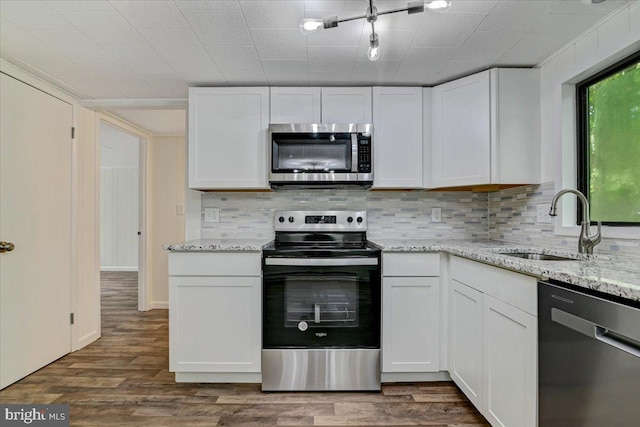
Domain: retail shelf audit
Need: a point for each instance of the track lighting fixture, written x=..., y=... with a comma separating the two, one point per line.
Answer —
x=310, y=25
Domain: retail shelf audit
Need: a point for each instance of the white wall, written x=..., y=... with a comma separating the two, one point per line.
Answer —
x=609, y=41
x=166, y=164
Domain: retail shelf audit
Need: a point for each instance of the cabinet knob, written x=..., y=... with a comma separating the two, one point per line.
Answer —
x=6, y=247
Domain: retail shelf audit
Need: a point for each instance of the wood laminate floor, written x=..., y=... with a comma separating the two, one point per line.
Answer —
x=122, y=379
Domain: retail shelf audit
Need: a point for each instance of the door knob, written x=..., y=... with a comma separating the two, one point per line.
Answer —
x=6, y=247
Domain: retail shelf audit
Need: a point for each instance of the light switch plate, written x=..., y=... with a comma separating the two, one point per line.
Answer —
x=211, y=215
x=180, y=209
x=436, y=214
x=542, y=214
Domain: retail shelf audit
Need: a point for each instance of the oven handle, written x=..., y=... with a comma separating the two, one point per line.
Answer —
x=321, y=262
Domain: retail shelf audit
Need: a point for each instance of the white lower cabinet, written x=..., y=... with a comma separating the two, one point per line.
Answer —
x=493, y=341
x=410, y=313
x=215, y=317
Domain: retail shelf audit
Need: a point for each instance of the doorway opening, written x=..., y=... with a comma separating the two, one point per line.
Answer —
x=122, y=189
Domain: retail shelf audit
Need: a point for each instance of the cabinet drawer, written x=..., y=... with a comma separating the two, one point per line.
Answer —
x=516, y=289
x=215, y=263
x=409, y=264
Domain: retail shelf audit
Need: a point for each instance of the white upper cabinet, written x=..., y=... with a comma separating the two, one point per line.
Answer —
x=295, y=105
x=346, y=105
x=228, y=138
x=486, y=129
x=398, y=142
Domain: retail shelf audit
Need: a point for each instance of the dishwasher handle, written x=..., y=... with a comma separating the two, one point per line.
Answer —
x=595, y=331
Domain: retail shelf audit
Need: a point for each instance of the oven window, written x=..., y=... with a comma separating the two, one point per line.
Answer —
x=321, y=301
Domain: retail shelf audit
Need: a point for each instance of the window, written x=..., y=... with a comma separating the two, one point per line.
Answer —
x=609, y=143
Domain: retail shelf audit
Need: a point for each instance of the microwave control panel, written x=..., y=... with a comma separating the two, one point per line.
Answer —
x=364, y=153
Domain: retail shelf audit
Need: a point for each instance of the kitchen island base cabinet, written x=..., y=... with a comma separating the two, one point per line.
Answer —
x=215, y=321
x=493, y=341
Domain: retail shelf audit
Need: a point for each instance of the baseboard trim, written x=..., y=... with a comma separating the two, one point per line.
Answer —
x=156, y=305
x=404, y=377
x=85, y=341
x=118, y=268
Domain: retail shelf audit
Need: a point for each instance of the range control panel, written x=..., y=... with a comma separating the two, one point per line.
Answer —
x=320, y=220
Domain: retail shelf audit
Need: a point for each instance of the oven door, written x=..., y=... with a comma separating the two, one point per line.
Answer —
x=321, y=302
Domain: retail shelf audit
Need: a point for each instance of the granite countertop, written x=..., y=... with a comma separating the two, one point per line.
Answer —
x=218, y=245
x=611, y=274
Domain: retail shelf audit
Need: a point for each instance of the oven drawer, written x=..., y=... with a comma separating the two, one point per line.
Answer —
x=408, y=264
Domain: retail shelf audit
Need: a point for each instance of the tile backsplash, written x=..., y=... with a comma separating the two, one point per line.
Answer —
x=512, y=218
x=391, y=214
x=507, y=215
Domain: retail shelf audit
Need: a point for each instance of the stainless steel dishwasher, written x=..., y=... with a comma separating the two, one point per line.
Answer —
x=589, y=358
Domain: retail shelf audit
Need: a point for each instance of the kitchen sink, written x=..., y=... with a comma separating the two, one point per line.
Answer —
x=538, y=257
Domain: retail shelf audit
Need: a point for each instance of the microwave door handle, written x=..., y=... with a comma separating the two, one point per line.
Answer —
x=354, y=153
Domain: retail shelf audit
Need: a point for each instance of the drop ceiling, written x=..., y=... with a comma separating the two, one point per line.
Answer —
x=157, y=49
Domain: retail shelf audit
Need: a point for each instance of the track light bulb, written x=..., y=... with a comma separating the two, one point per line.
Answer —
x=374, y=48
x=437, y=5
x=311, y=25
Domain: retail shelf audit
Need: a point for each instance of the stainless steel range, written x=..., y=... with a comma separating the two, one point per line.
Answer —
x=321, y=303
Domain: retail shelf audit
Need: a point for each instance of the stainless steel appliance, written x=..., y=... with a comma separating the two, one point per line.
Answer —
x=321, y=303
x=589, y=358
x=321, y=155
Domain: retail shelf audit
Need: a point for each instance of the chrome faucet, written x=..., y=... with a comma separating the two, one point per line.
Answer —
x=586, y=241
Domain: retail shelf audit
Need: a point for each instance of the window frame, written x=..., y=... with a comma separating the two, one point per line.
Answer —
x=582, y=132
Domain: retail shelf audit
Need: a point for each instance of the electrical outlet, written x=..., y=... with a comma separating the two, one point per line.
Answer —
x=436, y=214
x=542, y=214
x=211, y=215
x=180, y=209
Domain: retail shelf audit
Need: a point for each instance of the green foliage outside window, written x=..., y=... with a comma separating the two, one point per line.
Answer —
x=613, y=137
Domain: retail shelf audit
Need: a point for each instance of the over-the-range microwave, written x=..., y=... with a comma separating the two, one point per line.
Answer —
x=321, y=155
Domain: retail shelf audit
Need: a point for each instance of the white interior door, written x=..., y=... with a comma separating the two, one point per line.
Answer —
x=35, y=215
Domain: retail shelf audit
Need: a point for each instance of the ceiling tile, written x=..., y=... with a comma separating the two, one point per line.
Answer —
x=86, y=85
x=565, y=27
x=374, y=71
x=414, y=76
x=207, y=4
x=280, y=44
x=219, y=27
x=140, y=59
x=511, y=23
x=474, y=6
x=235, y=57
x=338, y=60
x=198, y=72
x=33, y=15
x=329, y=78
x=245, y=77
x=151, y=15
x=530, y=50
x=393, y=44
x=79, y=5
x=345, y=34
x=426, y=60
x=107, y=70
x=273, y=14
x=526, y=7
x=44, y=60
x=285, y=71
x=72, y=44
x=169, y=85
x=106, y=28
x=456, y=69
x=447, y=30
x=134, y=87
x=487, y=46
x=580, y=8
x=175, y=45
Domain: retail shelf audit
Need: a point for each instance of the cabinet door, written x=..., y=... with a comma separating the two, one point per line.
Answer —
x=465, y=340
x=215, y=324
x=462, y=132
x=510, y=363
x=410, y=324
x=295, y=105
x=397, y=127
x=228, y=137
x=346, y=105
